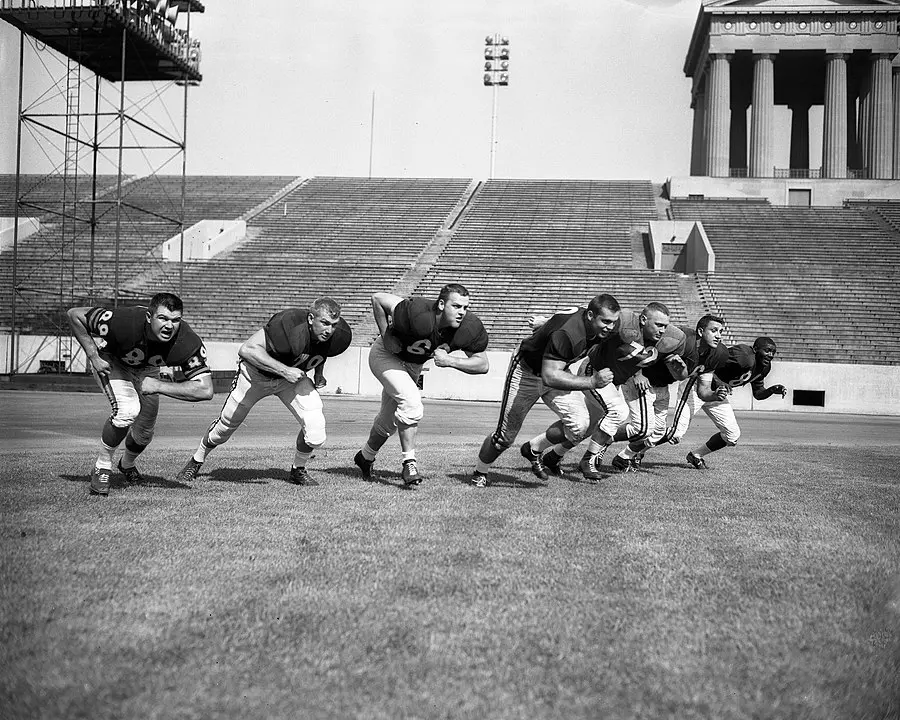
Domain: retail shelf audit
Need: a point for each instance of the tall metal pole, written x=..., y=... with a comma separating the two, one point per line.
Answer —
x=493, y=129
x=95, y=148
x=187, y=55
x=13, y=345
x=119, y=181
x=372, y=134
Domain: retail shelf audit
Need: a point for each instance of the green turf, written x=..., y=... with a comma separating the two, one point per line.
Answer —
x=767, y=587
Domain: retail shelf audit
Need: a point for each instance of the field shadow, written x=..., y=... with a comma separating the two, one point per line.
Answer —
x=117, y=481
x=248, y=476
x=496, y=479
x=379, y=477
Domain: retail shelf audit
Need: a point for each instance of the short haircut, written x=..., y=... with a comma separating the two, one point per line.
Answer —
x=451, y=288
x=599, y=302
x=704, y=322
x=763, y=342
x=658, y=307
x=169, y=301
x=327, y=305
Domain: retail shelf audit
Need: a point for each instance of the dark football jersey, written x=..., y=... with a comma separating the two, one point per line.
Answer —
x=625, y=351
x=125, y=335
x=289, y=340
x=414, y=323
x=563, y=337
x=742, y=368
x=710, y=358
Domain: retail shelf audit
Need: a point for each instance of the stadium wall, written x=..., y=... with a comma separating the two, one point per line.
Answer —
x=822, y=192
x=859, y=389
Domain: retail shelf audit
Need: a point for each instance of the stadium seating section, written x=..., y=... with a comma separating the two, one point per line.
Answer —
x=821, y=281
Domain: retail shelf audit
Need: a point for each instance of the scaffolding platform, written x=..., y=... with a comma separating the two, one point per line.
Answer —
x=92, y=32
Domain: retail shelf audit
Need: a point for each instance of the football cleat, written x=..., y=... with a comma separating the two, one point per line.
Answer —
x=622, y=464
x=300, y=476
x=100, y=481
x=365, y=466
x=410, y=473
x=637, y=461
x=551, y=462
x=588, y=467
x=478, y=479
x=537, y=465
x=696, y=461
x=132, y=475
x=189, y=472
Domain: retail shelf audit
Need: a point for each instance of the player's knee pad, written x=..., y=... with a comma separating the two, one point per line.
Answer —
x=500, y=444
x=141, y=435
x=577, y=427
x=125, y=413
x=313, y=430
x=409, y=412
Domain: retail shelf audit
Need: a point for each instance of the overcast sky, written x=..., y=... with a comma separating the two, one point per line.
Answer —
x=596, y=89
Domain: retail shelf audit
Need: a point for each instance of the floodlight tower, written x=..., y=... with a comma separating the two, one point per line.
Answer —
x=496, y=75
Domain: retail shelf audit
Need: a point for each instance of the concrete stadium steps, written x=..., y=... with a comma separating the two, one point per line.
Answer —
x=528, y=220
x=886, y=210
x=505, y=298
x=48, y=191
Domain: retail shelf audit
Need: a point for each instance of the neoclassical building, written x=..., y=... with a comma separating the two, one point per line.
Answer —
x=759, y=54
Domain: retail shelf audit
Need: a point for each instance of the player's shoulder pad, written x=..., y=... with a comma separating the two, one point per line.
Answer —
x=672, y=341
x=471, y=335
x=414, y=317
x=743, y=355
x=340, y=338
x=629, y=328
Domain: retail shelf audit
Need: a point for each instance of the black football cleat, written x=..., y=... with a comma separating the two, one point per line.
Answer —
x=637, y=462
x=132, y=475
x=696, y=461
x=551, y=462
x=189, y=472
x=410, y=473
x=537, y=465
x=365, y=466
x=300, y=476
x=622, y=464
x=478, y=479
x=100, y=481
x=588, y=467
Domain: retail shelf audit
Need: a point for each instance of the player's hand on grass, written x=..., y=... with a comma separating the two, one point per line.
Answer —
x=602, y=377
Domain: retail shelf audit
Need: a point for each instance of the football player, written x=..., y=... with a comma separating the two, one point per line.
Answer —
x=282, y=359
x=703, y=352
x=744, y=365
x=131, y=344
x=413, y=331
x=539, y=370
x=641, y=340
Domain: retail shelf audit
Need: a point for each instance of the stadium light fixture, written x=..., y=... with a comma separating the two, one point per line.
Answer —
x=496, y=74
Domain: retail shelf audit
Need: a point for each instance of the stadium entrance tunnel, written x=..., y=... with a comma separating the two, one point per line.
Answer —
x=809, y=398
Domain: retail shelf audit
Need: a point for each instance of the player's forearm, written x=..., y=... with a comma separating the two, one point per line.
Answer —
x=764, y=393
x=470, y=365
x=261, y=360
x=193, y=390
x=562, y=380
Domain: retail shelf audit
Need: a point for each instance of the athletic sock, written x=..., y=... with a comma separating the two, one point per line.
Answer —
x=627, y=453
x=105, y=458
x=301, y=458
x=482, y=467
x=132, y=450
x=368, y=453
x=405, y=455
x=202, y=451
x=539, y=444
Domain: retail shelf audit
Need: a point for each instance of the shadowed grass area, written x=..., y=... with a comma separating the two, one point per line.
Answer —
x=767, y=586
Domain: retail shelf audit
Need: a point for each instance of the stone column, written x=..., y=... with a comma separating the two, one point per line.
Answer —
x=719, y=110
x=854, y=161
x=882, y=120
x=834, y=142
x=800, y=135
x=863, y=124
x=698, y=139
x=762, y=117
x=896, y=98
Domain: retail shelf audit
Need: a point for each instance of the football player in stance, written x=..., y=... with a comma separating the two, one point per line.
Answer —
x=744, y=365
x=131, y=344
x=280, y=359
x=641, y=340
x=539, y=370
x=704, y=352
x=413, y=331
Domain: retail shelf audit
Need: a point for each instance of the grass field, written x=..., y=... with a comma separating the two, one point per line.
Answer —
x=765, y=587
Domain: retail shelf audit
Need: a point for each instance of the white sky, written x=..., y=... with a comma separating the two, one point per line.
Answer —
x=596, y=89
